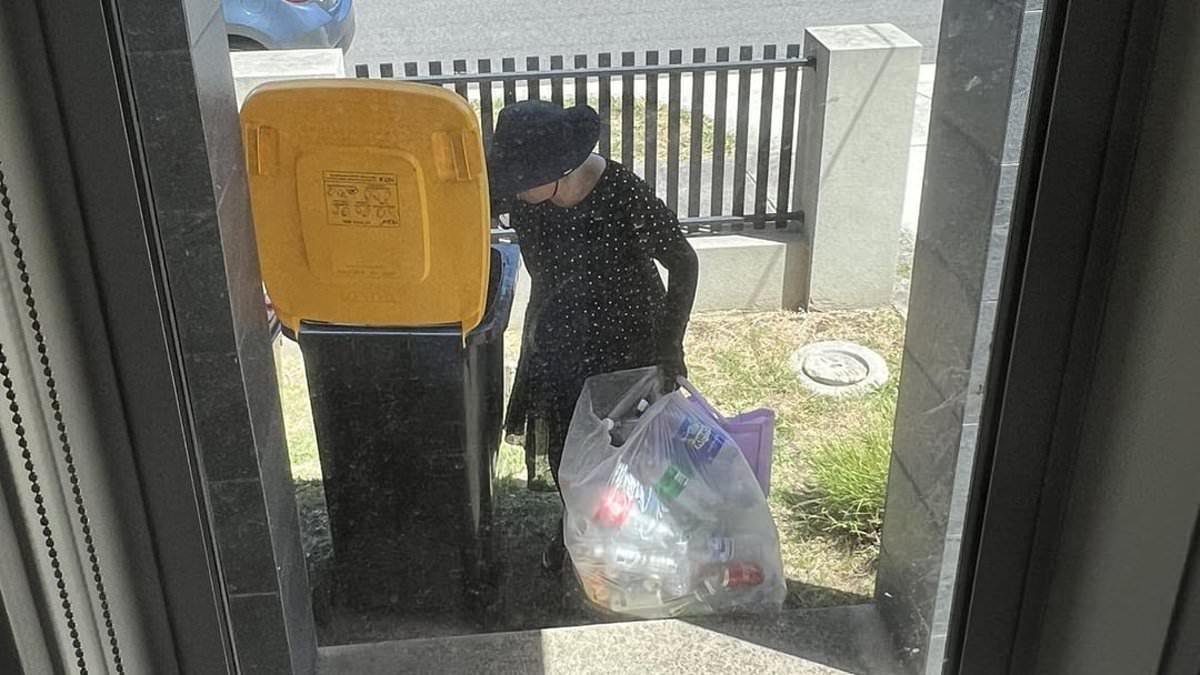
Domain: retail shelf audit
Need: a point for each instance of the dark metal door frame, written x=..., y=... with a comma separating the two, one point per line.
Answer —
x=85, y=50
x=1086, y=102
x=1182, y=653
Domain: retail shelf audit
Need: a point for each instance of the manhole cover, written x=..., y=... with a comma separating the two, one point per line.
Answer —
x=837, y=368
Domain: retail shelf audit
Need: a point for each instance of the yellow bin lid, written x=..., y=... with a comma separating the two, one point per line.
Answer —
x=370, y=202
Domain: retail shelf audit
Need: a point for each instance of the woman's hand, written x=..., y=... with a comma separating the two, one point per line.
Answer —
x=669, y=373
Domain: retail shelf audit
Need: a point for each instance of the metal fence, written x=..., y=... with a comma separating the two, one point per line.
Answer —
x=732, y=154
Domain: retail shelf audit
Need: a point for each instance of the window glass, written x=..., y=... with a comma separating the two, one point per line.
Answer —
x=729, y=294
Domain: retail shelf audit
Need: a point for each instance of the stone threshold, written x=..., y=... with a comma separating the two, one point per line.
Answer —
x=807, y=642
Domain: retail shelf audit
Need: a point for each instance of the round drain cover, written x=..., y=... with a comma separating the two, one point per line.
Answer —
x=837, y=368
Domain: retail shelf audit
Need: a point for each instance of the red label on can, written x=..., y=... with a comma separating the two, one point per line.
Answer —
x=743, y=574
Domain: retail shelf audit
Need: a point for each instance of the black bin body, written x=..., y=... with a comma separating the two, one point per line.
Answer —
x=408, y=424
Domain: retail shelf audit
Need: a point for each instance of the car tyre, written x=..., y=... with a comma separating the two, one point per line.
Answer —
x=237, y=43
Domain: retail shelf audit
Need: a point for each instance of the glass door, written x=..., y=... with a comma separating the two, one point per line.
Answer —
x=875, y=242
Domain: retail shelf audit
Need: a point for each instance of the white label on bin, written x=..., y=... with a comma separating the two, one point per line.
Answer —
x=361, y=199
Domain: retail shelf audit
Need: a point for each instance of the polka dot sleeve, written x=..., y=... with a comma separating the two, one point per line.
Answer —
x=657, y=229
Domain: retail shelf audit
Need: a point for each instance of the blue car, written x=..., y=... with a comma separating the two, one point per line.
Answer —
x=289, y=24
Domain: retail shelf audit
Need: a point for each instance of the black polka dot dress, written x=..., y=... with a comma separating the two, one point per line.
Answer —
x=597, y=301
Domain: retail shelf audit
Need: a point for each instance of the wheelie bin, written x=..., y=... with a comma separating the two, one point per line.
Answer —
x=408, y=427
x=371, y=217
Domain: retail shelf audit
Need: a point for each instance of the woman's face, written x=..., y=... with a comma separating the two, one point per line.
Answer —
x=538, y=194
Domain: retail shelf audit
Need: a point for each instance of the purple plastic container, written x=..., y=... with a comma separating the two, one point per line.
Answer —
x=754, y=433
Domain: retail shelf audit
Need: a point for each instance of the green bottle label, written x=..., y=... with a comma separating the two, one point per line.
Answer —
x=673, y=482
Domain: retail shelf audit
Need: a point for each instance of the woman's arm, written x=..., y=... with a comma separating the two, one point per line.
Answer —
x=659, y=230
x=683, y=270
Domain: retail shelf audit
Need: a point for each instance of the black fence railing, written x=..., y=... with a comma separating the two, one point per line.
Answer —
x=712, y=145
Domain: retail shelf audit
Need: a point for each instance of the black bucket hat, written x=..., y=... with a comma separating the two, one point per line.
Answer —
x=539, y=142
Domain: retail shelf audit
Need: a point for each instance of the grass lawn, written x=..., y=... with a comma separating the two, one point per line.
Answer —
x=740, y=361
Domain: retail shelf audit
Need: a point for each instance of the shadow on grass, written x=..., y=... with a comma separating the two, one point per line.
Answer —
x=529, y=598
x=808, y=523
x=314, y=525
x=808, y=596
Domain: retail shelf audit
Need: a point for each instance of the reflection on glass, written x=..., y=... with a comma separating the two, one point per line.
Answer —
x=743, y=225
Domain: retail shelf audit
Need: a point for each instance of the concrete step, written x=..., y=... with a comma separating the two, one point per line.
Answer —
x=798, y=642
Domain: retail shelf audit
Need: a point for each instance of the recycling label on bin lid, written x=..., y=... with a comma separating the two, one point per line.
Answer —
x=370, y=202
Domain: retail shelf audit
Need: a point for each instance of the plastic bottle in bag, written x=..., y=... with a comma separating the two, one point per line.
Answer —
x=618, y=511
x=635, y=597
x=679, y=584
x=623, y=557
x=682, y=492
x=715, y=456
x=703, y=441
x=719, y=548
x=621, y=428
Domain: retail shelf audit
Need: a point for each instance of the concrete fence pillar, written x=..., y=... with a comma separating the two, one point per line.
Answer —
x=852, y=160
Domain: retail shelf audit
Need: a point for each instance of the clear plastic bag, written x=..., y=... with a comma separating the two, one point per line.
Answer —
x=664, y=517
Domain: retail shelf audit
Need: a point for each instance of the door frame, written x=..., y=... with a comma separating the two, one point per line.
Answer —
x=1084, y=121
x=87, y=57
x=1085, y=107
